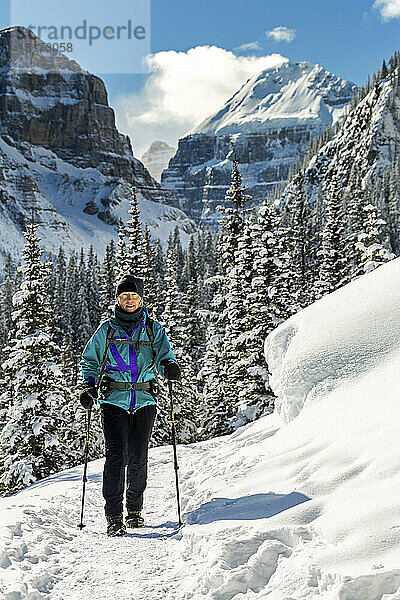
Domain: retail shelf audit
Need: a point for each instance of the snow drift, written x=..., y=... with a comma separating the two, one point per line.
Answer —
x=304, y=503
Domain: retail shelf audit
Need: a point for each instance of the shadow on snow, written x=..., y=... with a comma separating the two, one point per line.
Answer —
x=75, y=474
x=258, y=506
x=168, y=525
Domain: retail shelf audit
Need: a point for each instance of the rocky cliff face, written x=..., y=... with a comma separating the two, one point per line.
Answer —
x=267, y=124
x=157, y=157
x=60, y=147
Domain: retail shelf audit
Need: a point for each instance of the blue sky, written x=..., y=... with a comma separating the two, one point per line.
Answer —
x=345, y=36
x=348, y=37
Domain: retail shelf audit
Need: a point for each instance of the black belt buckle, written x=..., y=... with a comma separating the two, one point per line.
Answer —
x=104, y=384
x=154, y=388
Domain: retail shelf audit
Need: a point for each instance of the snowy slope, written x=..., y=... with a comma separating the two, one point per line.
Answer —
x=286, y=95
x=69, y=204
x=302, y=504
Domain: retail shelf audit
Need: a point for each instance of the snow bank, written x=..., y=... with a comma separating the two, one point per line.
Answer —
x=336, y=339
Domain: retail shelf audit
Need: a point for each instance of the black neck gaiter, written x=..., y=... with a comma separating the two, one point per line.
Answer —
x=128, y=321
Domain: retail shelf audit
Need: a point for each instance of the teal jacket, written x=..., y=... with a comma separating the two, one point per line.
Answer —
x=127, y=362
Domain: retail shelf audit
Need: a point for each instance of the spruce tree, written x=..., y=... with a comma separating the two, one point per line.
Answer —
x=297, y=243
x=332, y=269
x=122, y=259
x=33, y=442
x=91, y=285
x=158, y=275
x=219, y=373
x=257, y=267
x=107, y=281
x=178, y=326
x=151, y=279
x=11, y=282
x=369, y=245
x=135, y=259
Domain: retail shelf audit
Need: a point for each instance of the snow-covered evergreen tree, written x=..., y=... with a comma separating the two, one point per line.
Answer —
x=220, y=372
x=78, y=328
x=158, y=274
x=136, y=259
x=107, y=281
x=34, y=441
x=333, y=264
x=178, y=325
x=122, y=260
x=91, y=285
x=58, y=313
x=152, y=288
x=11, y=282
x=297, y=243
x=369, y=245
x=257, y=265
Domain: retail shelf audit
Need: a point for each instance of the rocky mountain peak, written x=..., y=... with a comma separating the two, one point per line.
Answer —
x=157, y=157
x=22, y=50
x=267, y=124
x=288, y=94
x=62, y=155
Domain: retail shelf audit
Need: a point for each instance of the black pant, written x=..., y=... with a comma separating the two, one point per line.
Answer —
x=127, y=439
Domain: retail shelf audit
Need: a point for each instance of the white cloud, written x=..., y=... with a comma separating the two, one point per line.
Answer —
x=390, y=9
x=182, y=89
x=249, y=46
x=281, y=34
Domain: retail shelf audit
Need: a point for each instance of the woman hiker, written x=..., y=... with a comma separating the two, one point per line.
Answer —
x=127, y=397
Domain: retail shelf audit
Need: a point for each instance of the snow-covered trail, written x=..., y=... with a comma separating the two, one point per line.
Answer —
x=252, y=530
x=55, y=557
x=230, y=544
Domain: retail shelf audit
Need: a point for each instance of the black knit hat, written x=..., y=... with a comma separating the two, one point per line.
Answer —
x=130, y=283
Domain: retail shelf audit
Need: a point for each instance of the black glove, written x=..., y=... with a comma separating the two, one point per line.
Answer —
x=88, y=395
x=172, y=371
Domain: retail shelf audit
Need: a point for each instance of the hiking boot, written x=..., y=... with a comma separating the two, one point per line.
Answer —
x=115, y=526
x=134, y=519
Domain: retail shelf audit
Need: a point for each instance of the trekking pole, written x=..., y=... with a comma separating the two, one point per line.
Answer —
x=81, y=524
x=110, y=334
x=175, y=453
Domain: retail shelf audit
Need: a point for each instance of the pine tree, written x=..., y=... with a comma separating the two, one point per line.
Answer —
x=373, y=253
x=91, y=285
x=297, y=243
x=332, y=269
x=177, y=318
x=257, y=266
x=78, y=328
x=177, y=257
x=219, y=372
x=151, y=278
x=11, y=282
x=34, y=440
x=158, y=274
x=108, y=281
x=58, y=318
x=353, y=205
x=135, y=257
x=122, y=259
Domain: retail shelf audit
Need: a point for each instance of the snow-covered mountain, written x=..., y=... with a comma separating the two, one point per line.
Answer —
x=267, y=124
x=303, y=503
x=361, y=160
x=62, y=156
x=287, y=95
x=157, y=157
